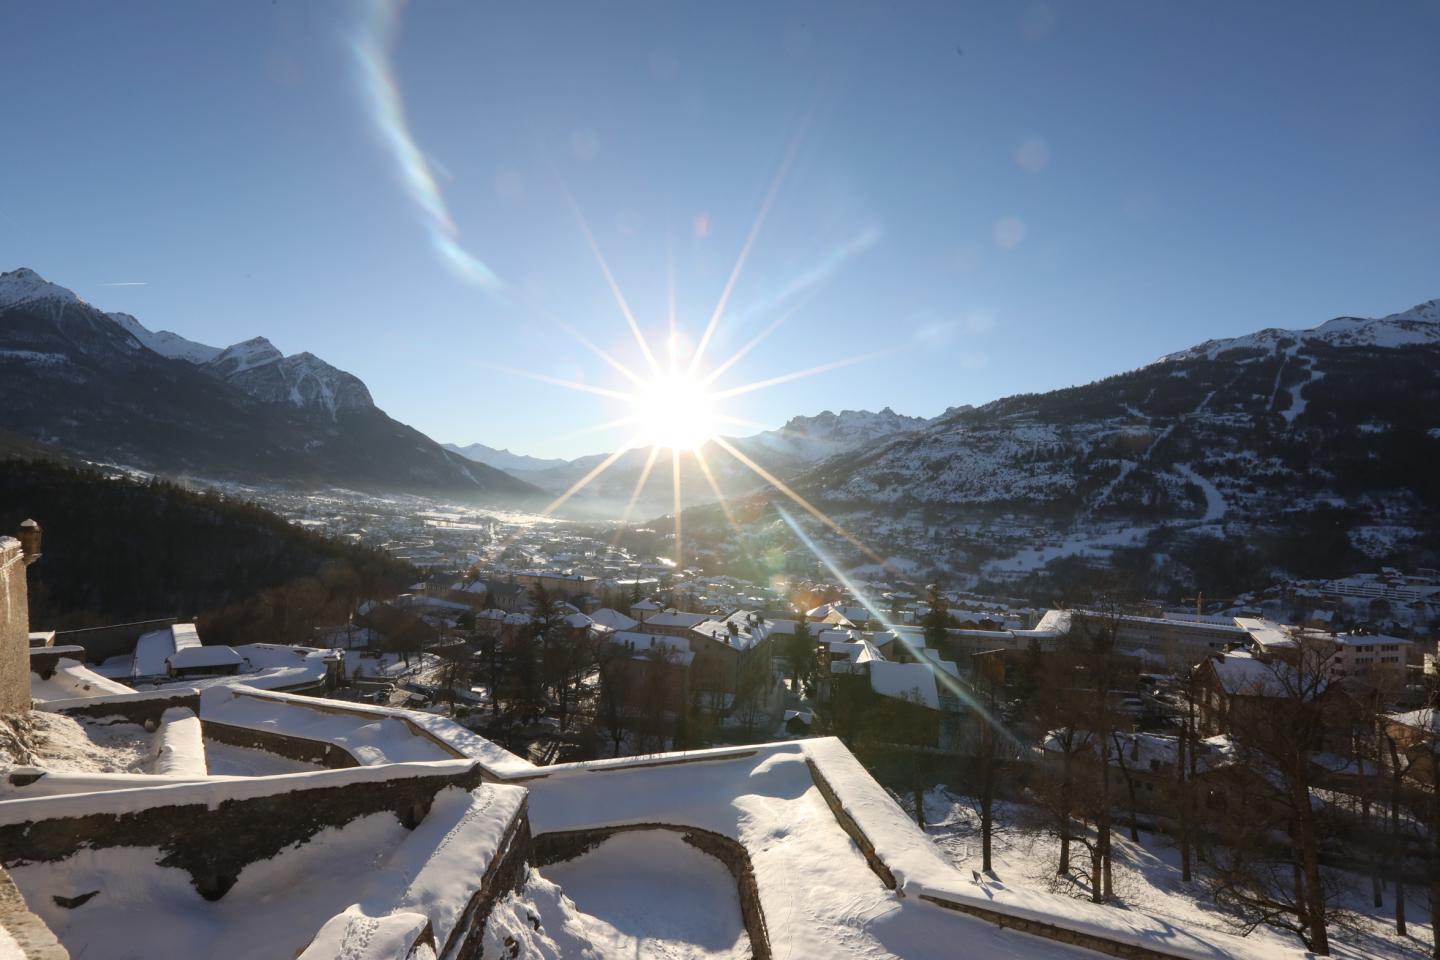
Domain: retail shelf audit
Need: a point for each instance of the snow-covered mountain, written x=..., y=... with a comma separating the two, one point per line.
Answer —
x=1418, y=325
x=503, y=459
x=812, y=439
x=302, y=379
x=105, y=387
x=802, y=442
x=1330, y=434
x=26, y=286
x=257, y=367
x=164, y=342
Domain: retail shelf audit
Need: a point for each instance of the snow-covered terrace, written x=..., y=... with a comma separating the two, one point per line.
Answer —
x=839, y=869
x=291, y=876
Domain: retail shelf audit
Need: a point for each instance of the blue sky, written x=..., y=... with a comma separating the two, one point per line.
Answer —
x=1002, y=197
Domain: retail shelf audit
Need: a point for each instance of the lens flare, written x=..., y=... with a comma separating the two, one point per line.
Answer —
x=373, y=46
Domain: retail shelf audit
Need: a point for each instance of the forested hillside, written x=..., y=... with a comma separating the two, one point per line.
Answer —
x=117, y=549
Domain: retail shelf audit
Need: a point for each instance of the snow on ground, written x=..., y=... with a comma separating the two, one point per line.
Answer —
x=538, y=923
x=9, y=949
x=1215, y=505
x=371, y=736
x=144, y=910
x=1147, y=879
x=432, y=873
x=63, y=743
x=650, y=894
x=1099, y=540
x=71, y=680
x=224, y=760
x=1297, y=395
x=819, y=895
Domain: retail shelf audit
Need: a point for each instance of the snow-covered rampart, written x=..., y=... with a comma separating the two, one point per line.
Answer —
x=214, y=828
x=179, y=746
x=138, y=707
x=917, y=869
x=372, y=734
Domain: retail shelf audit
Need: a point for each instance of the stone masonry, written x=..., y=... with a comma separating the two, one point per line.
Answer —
x=14, y=629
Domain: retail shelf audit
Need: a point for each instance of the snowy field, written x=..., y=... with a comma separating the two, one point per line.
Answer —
x=225, y=760
x=148, y=911
x=66, y=745
x=1147, y=880
x=649, y=894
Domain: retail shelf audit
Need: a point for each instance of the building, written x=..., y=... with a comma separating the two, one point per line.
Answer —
x=15, y=556
x=1241, y=688
x=672, y=622
x=566, y=586
x=1164, y=641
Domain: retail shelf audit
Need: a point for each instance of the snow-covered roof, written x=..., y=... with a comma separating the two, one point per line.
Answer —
x=1241, y=673
x=194, y=658
x=1055, y=623
x=1268, y=635
x=744, y=637
x=905, y=681
x=73, y=680
x=1146, y=751
x=1369, y=640
x=949, y=666
x=1427, y=719
x=858, y=651
x=613, y=619
x=676, y=618
x=151, y=651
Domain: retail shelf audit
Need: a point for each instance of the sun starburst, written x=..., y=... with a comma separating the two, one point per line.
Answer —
x=676, y=403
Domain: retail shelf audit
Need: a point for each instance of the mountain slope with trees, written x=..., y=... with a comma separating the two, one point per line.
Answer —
x=118, y=550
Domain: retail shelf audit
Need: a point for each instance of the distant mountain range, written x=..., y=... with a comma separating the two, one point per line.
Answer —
x=1330, y=432
x=105, y=387
x=516, y=463
x=1328, y=437
x=800, y=443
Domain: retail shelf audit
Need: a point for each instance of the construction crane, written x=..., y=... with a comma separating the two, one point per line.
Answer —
x=1200, y=599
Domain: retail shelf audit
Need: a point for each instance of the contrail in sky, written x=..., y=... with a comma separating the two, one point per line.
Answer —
x=127, y=283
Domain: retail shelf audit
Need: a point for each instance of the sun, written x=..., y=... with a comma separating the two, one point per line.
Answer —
x=675, y=410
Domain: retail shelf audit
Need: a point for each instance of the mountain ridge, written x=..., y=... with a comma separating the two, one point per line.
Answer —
x=1240, y=441
x=88, y=382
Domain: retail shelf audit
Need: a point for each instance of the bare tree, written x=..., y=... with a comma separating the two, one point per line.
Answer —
x=898, y=738
x=1277, y=719
x=616, y=690
x=753, y=681
x=991, y=745
x=1121, y=748
x=1062, y=715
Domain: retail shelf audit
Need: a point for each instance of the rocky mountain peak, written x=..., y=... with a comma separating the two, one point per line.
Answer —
x=24, y=285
